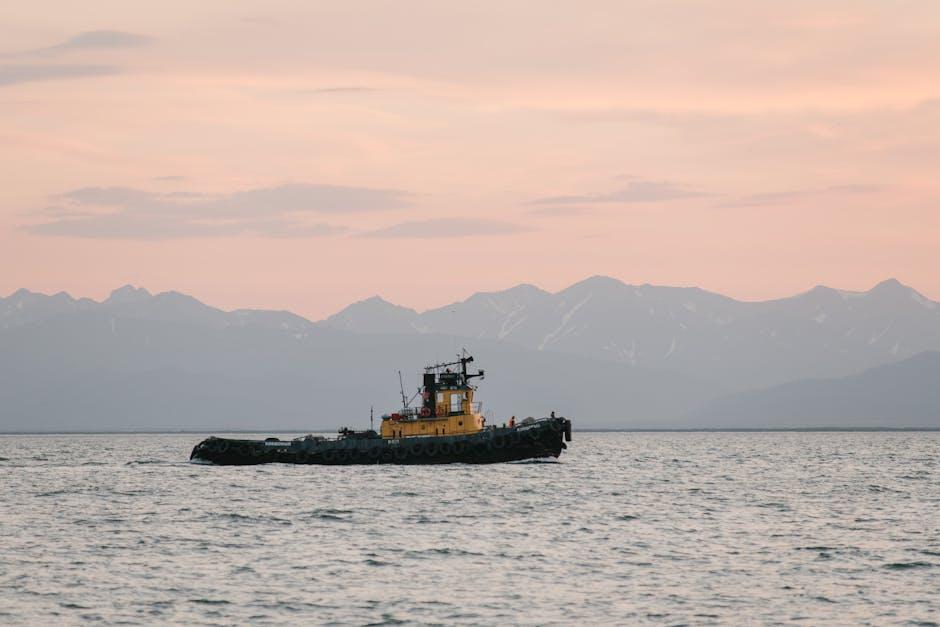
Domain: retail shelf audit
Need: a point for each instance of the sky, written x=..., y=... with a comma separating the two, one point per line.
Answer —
x=304, y=155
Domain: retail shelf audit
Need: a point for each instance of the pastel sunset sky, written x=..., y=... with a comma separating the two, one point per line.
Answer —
x=304, y=155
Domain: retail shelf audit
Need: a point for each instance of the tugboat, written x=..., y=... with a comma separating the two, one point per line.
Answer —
x=447, y=428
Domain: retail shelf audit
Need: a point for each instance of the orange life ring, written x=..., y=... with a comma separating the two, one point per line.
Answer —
x=425, y=412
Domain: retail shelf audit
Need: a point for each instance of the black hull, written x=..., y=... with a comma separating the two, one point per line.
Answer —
x=541, y=439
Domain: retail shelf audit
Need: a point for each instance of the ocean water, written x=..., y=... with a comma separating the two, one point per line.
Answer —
x=672, y=528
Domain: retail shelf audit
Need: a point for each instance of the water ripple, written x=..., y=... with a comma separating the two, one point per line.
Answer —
x=627, y=528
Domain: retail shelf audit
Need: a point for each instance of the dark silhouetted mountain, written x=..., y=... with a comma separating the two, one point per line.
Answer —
x=609, y=354
x=376, y=314
x=106, y=370
x=820, y=333
x=25, y=307
x=906, y=393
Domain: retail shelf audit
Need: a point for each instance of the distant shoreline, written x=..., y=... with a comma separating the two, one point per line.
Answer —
x=635, y=430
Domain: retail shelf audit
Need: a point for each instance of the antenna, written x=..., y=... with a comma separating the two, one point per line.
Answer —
x=371, y=422
x=404, y=399
x=453, y=328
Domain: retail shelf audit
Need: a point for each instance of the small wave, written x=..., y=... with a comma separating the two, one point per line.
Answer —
x=908, y=565
x=442, y=551
x=880, y=488
x=55, y=493
x=210, y=601
x=627, y=517
x=536, y=461
x=330, y=517
x=236, y=517
x=331, y=514
x=242, y=569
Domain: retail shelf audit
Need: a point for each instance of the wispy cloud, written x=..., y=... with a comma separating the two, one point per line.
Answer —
x=156, y=227
x=281, y=199
x=281, y=211
x=33, y=64
x=447, y=227
x=797, y=195
x=100, y=40
x=13, y=74
x=340, y=89
x=557, y=211
x=93, y=40
x=634, y=192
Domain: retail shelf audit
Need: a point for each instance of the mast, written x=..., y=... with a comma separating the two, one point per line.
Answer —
x=401, y=385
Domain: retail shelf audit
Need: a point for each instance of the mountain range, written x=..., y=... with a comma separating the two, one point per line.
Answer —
x=821, y=333
x=611, y=355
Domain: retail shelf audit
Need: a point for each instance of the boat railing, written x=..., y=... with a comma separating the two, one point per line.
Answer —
x=443, y=409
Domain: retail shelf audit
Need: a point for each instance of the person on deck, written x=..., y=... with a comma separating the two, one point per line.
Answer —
x=512, y=422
